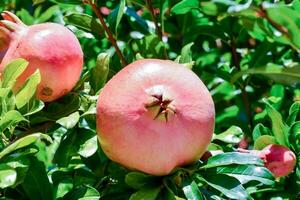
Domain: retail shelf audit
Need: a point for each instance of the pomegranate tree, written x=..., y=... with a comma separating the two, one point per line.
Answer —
x=49, y=47
x=155, y=115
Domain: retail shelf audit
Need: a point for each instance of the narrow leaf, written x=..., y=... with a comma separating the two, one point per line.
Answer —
x=36, y=183
x=263, y=141
x=232, y=135
x=12, y=71
x=279, y=129
x=28, y=90
x=246, y=173
x=99, y=72
x=10, y=118
x=69, y=121
x=227, y=185
x=8, y=176
x=192, y=192
x=233, y=158
x=146, y=193
x=120, y=13
x=283, y=75
x=23, y=142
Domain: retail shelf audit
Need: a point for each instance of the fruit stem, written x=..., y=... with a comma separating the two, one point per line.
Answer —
x=108, y=32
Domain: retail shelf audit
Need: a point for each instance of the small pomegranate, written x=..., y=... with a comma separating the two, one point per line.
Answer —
x=280, y=160
x=49, y=47
x=155, y=115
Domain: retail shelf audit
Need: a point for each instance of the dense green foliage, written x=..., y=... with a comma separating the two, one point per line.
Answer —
x=246, y=52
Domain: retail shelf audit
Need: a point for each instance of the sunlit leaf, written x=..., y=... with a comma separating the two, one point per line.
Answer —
x=233, y=158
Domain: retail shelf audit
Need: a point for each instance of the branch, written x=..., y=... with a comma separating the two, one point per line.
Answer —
x=108, y=32
x=153, y=15
x=262, y=13
x=236, y=61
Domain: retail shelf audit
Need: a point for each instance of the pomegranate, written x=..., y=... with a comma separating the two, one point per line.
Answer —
x=49, y=47
x=280, y=160
x=155, y=115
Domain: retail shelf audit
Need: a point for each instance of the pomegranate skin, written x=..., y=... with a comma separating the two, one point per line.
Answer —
x=49, y=47
x=280, y=160
x=155, y=139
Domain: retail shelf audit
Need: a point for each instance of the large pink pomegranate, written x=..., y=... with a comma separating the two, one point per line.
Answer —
x=49, y=47
x=155, y=115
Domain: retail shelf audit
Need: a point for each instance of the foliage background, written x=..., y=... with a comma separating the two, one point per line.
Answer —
x=246, y=52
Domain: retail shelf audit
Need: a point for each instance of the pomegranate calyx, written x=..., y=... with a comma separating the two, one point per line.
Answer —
x=162, y=108
x=11, y=22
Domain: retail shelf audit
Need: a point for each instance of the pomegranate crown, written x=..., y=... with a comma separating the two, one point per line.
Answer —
x=10, y=23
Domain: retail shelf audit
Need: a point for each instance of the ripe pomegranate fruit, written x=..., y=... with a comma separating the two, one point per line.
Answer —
x=280, y=160
x=49, y=47
x=155, y=115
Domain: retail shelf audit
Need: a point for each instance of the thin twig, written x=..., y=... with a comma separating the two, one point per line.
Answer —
x=153, y=16
x=236, y=61
x=262, y=13
x=108, y=32
x=157, y=27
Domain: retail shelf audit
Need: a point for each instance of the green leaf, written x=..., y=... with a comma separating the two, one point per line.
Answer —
x=233, y=158
x=263, y=141
x=277, y=91
x=192, y=192
x=185, y=6
x=99, y=72
x=149, y=46
x=138, y=180
x=28, y=90
x=120, y=14
x=50, y=12
x=62, y=107
x=20, y=165
x=70, y=144
x=75, y=2
x=232, y=135
x=284, y=75
x=294, y=112
x=246, y=173
x=260, y=130
x=36, y=183
x=146, y=194
x=33, y=107
x=84, y=192
x=295, y=136
x=12, y=71
x=35, y=2
x=7, y=100
x=186, y=54
x=84, y=22
x=287, y=18
x=279, y=129
x=8, y=176
x=227, y=185
x=228, y=112
x=88, y=148
x=23, y=142
x=69, y=121
x=10, y=118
